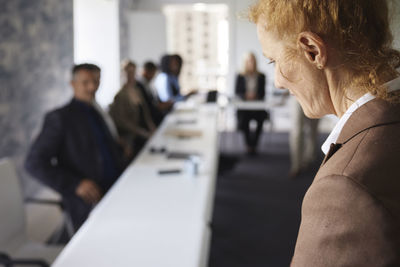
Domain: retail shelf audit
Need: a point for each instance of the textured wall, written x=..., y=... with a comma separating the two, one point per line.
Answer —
x=125, y=7
x=395, y=16
x=36, y=51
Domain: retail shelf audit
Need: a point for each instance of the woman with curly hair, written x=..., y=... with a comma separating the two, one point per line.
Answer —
x=336, y=57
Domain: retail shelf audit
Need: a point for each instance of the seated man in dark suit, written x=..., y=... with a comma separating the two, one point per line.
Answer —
x=77, y=153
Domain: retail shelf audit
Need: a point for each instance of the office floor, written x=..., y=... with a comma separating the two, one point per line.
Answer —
x=257, y=207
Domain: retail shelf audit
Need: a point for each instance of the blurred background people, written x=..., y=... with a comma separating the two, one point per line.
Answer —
x=167, y=81
x=146, y=77
x=145, y=83
x=76, y=152
x=131, y=113
x=250, y=86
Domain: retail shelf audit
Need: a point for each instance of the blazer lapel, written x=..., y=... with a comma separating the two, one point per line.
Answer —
x=332, y=150
x=375, y=113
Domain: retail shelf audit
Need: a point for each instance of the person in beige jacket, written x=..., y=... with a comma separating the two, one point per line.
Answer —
x=131, y=114
x=336, y=57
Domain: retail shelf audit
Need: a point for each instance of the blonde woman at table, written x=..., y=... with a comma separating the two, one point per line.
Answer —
x=336, y=57
x=250, y=86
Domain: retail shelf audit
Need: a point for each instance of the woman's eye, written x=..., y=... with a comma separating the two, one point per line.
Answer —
x=271, y=62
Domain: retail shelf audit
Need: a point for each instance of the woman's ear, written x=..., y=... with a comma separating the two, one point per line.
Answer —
x=313, y=48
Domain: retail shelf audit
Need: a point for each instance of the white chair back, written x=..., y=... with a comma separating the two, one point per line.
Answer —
x=12, y=212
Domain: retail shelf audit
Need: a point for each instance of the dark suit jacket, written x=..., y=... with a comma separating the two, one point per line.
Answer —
x=65, y=152
x=351, y=212
x=151, y=102
x=244, y=116
x=240, y=86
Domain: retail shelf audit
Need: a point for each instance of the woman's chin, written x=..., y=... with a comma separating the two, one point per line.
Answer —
x=311, y=114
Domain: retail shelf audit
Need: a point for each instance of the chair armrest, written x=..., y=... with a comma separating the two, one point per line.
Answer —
x=45, y=202
x=9, y=262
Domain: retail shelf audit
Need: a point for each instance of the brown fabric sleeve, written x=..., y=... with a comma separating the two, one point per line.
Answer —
x=343, y=225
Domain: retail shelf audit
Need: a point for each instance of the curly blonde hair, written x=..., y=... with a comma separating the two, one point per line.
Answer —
x=359, y=30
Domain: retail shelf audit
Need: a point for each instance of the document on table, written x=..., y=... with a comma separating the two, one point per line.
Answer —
x=185, y=133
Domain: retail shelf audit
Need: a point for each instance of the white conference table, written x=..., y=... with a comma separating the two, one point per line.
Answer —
x=254, y=105
x=153, y=220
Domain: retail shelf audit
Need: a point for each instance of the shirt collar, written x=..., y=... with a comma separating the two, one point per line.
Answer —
x=392, y=85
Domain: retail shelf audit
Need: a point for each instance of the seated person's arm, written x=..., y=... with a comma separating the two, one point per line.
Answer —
x=89, y=191
x=261, y=87
x=165, y=106
x=42, y=158
x=139, y=131
x=240, y=89
x=191, y=92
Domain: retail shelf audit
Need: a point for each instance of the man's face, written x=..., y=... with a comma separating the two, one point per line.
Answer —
x=85, y=84
x=149, y=74
x=131, y=73
x=174, y=66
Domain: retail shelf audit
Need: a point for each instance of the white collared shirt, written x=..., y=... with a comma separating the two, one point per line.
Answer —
x=251, y=83
x=149, y=87
x=161, y=84
x=393, y=85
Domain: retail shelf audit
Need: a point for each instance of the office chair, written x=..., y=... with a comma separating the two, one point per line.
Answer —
x=212, y=96
x=6, y=261
x=15, y=248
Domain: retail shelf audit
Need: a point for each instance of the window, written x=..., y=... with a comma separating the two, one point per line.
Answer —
x=200, y=34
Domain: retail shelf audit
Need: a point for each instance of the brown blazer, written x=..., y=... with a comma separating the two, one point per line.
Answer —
x=128, y=110
x=351, y=212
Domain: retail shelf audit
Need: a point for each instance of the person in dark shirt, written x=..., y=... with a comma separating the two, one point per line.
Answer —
x=157, y=108
x=77, y=152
